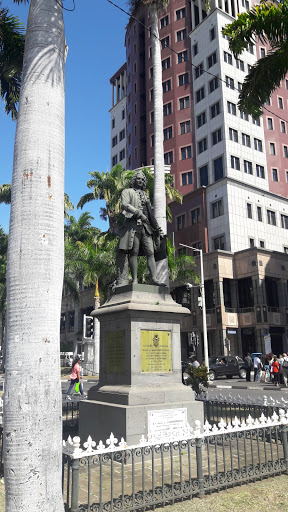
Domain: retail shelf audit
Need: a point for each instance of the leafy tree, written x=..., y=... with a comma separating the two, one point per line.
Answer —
x=181, y=268
x=198, y=378
x=12, y=41
x=269, y=23
x=109, y=186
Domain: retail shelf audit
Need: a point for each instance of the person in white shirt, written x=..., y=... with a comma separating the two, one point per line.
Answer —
x=284, y=364
x=257, y=367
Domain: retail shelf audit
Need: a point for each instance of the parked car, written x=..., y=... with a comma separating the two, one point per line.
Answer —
x=228, y=366
x=66, y=358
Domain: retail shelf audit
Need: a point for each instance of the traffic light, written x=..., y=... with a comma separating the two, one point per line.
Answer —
x=88, y=325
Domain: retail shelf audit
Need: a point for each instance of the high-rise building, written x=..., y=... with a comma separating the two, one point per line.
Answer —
x=231, y=169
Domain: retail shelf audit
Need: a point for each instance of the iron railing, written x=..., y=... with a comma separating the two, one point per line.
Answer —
x=118, y=477
x=70, y=417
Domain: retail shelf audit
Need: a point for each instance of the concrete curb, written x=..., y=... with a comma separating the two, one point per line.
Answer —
x=257, y=388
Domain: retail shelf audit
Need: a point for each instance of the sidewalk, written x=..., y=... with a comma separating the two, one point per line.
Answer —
x=243, y=384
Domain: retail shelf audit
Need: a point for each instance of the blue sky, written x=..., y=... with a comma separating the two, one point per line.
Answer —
x=95, y=33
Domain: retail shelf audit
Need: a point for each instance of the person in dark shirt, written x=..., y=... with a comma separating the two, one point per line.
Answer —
x=248, y=366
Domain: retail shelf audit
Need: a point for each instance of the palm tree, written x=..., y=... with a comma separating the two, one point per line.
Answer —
x=11, y=59
x=109, y=185
x=181, y=268
x=33, y=398
x=156, y=6
x=5, y=197
x=268, y=22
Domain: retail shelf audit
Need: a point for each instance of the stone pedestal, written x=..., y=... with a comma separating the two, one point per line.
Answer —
x=140, y=365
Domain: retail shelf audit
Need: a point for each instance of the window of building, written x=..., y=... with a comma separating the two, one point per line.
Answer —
x=244, y=116
x=201, y=119
x=285, y=151
x=228, y=58
x=182, y=56
x=181, y=35
x=258, y=144
x=213, y=84
x=167, y=133
x=195, y=49
x=152, y=116
x=271, y=217
x=249, y=210
x=113, y=123
x=114, y=141
x=246, y=141
x=215, y=110
x=151, y=94
x=283, y=126
x=251, y=243
x=186, y=178
x=199, y=70
x=168, y=158
x=184, y=103
x=129, y=139
x=167, y=109
x=211, y=60
x=165, y=42
x=183, y=79
x=245, y=4
x=284, y=221
x=216, y=136
x=240, y=64
x=262, y=244
x=285, y=250
x=186, y=153
x=180, y=13
x=268, y=101
x=260, y=171
x=114, y=160
x=280, y=103
x=166, y=63
x=233, y=135
x=152, y=140
x=229, y=82
x=270, y=123
x=122, y=155
x=202, y=145
x=219, y=243
x=166, y=86
x=122, y=134
x=200, y=94
x=203, y=175
x=212, y=33
x=195, y=216
x=259, y=213
x=248, y=167
x=180, y=222
x=286, y=176
x=275, y=174
x=164, y=21
x=185, y=127
x=135, y=153
x=249, y=67
x=262, y=53
x=235, y=162
x=218, y=168
x=272, y=148
x=231, y=108
x=251, y=48
x=217, y=209
x=239, y=86
x=256, y=121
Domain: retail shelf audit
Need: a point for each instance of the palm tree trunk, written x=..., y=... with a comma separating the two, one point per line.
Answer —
x=159, y=176
x=32, y=401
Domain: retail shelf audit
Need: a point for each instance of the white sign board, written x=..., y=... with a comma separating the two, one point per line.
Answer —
x=168, y=424
x=267, y=341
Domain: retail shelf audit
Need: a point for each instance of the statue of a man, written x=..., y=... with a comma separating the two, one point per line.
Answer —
x=140, y=233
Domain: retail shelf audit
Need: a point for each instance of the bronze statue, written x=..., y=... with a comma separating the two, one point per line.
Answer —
x=140, y=233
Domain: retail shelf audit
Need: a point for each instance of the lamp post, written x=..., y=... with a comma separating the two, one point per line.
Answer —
x=202, y=289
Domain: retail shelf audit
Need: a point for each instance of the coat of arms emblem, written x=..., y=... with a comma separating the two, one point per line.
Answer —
x=156, y=340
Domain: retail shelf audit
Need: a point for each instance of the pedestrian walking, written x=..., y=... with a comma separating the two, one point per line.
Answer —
x=267, y=368
x=75, y=378
x=285, y=369
x=275, y=370
x=248, y=366
x=257, y=367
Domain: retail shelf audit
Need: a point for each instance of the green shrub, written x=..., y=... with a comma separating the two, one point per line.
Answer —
x=198, y=378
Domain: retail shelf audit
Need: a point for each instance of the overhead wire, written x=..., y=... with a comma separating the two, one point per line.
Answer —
x=186, y=60
x=65, y=8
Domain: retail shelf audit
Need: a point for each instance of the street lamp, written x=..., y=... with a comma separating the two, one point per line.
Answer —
x=202, y=289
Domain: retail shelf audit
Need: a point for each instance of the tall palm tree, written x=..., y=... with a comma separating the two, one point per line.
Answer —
x=12, y=41
x=267, y=22
x=33, y=398
x=109, y=185
x=5, y=197
x=156, y=6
